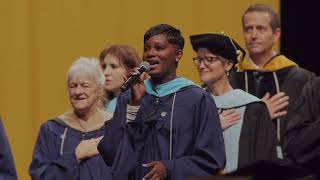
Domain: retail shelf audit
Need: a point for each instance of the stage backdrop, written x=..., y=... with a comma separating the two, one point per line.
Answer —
x=41, y=38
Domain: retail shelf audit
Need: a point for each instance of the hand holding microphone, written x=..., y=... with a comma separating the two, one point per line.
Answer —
x=137, y=88
x=134, y=78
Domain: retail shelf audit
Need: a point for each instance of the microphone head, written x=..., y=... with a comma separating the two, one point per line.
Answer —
x=144, y=66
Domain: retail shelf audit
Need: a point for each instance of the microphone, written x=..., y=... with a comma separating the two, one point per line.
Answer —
x=134, y=78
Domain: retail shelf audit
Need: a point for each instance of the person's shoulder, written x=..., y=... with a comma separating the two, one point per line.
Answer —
x=301, y=75
x=296, y=70
x=303, y=71
x=296, y=74
x=194, y=90
x=1, y=125
x=52, y=125
x=195, y=95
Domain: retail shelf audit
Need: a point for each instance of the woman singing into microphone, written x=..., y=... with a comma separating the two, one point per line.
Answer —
x=165, y=127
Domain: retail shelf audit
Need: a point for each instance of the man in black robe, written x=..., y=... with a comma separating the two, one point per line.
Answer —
x=266, y=74
x=303, y=134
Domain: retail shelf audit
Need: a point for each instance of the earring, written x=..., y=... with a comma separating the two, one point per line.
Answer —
x=228, y=73
x=100, y=101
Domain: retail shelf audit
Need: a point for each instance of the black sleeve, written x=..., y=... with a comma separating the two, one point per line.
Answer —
x=7, y=168
x=114, y=131
x=302, y=145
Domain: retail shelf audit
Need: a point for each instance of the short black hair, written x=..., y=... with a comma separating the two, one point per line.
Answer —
x=173, y=34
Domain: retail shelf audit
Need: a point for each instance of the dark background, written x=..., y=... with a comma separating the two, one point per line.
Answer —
x=300, y=21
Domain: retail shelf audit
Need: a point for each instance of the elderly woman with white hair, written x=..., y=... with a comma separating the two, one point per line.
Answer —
x=66, y=147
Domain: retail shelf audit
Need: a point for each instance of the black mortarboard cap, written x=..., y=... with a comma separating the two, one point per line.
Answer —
x=218, y=44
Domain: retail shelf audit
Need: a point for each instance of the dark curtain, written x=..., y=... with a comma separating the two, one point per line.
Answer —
x=300, y=22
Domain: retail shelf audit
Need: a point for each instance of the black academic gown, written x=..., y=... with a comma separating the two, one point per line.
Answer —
x=7, y=168
x=303, y=133
x=290, y=80
x=197, y=140
x=258, y=136
x=54, y=155
x=253, y=135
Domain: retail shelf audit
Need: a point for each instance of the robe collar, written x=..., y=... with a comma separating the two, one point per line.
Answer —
x=167, y=88
x=276, y=63
x=235, y=98
x=95, y=122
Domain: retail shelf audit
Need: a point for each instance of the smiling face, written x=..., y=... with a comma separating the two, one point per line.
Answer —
x=215, y=71
x=162, y=57
x=114, y=73
x=84, y=93
x=258, y=33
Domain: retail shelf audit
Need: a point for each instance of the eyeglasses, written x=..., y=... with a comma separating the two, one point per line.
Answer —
x=206, y=60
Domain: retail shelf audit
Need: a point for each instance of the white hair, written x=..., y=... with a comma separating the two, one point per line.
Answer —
x=89, y=67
